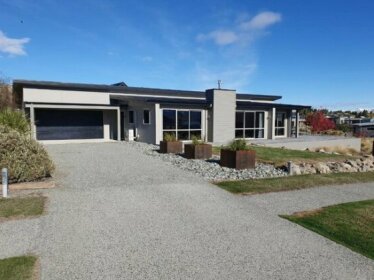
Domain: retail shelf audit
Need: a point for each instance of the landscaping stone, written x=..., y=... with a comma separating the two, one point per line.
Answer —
x=210, y=169
x=295, y=169
x=322, y=168
x=364, y=164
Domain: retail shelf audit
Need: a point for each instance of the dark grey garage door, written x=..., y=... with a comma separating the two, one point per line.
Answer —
x=68, y=124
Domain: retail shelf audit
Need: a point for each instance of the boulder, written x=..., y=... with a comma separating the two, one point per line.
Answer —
x=322, y=168
x=344, y=167
x=352, y=163
x=294, y=169
x=308, y=169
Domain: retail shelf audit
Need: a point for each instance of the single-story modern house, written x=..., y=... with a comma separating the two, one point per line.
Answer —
x=365, y=129
x=72, y=111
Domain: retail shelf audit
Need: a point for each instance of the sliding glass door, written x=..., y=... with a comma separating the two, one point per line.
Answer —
x=280, y=124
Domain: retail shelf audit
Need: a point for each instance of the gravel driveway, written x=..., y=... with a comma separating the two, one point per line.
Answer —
x=120, y=214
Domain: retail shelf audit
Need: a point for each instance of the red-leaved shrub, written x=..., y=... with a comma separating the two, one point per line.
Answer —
x=318, y=122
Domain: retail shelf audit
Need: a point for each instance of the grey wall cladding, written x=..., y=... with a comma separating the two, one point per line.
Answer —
x=221, y=122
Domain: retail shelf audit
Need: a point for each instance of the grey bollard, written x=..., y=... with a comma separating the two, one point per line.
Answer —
x=4, y=175
x=289, y=168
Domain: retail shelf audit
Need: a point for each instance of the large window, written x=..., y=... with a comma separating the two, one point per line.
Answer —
x=280, y=124
x=249, y=124
x=184, y=124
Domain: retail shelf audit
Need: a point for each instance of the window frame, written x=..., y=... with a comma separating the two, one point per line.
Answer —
x=276, y=127
x=249, y=130
x=149, y=117
x=189, y=130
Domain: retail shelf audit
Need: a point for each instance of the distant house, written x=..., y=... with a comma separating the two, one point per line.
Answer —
x=364, y=128
x=349, y=120
x=72, y=111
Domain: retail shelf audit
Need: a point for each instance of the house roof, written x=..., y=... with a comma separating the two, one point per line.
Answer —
x=104, y=88
x=266, y=105
x=247, y=96
x=364, y=124
x=123, y=88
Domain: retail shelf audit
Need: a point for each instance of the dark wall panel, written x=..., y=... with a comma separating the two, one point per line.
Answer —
x=68, y=124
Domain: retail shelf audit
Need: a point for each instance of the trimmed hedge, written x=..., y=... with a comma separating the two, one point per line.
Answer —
x=25, y=158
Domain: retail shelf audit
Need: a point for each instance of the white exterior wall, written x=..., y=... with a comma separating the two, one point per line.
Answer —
x=33, y=95
x=158, y=123
x=271, y=129
x=266, y=124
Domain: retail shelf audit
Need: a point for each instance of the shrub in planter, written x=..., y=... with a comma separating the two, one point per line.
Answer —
x=170, y=144
x=198, y=149
x=238, y=155
x=25, y=158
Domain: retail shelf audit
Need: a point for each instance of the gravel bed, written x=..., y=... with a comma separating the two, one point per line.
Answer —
x=210, y=169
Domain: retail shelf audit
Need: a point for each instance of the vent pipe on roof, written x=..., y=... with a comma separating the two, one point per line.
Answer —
x=120, y=84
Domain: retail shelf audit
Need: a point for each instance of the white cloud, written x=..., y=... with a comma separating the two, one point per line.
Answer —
x=220, y=37
x=237, y=76
x=12, y=46
x=261, y=21
x=245, y=32
x=147, y=58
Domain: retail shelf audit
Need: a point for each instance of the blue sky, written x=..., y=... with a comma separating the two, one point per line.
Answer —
x=319, y=53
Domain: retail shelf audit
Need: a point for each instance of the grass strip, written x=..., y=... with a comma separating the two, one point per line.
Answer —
x=18, y=268
x=257, y=186
x=21, y=206
x=350, y=224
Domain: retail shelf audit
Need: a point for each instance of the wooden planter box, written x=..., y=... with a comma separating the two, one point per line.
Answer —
x=173, y=147
x=200, y=151
x=238, y=159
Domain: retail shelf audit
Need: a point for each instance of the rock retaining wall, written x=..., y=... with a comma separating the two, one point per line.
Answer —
x=363, y=164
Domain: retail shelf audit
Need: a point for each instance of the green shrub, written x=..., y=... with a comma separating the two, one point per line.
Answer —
x=15, y=120
x=196, y=140
x=25, y=158
x=238, y=145
x=344, y=127
x=169, y=137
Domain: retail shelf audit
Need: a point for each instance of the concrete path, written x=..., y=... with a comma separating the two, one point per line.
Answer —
x=119, y=214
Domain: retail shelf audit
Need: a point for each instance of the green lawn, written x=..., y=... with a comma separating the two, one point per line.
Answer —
x=19, y=207
x=279, y=156
x=18, y=268
x=255, y=186
x=350, y=224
